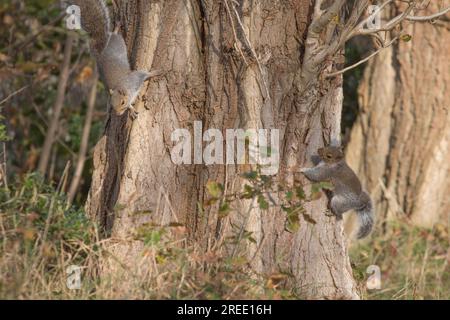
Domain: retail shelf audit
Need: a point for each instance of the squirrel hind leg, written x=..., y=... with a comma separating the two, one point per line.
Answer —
x=340, y=204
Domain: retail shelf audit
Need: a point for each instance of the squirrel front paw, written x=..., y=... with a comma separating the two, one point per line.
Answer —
x=132, y=113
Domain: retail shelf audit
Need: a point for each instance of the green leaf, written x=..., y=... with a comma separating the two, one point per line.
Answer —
x=406, y=37
x=263, y=204
x=214, y=189
x=224, y=209
x=292, y=223
x=289, y=195
x=248, y=192
x=300, y=193
x=251, y=175
x=316, y=189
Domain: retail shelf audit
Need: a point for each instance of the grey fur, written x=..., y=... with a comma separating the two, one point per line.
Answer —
x=347, y=192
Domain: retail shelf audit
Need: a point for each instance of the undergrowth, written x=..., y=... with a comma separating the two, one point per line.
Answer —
x=41, y=237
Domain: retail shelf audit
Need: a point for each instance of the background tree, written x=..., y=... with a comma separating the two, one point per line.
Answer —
x=400, y=141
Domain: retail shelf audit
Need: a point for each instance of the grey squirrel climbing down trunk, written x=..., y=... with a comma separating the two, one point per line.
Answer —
x=110, y=51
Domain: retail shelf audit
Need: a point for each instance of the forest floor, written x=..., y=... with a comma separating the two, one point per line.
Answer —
x=40, y=238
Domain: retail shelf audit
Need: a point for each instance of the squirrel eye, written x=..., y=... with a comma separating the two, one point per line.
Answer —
x=329, y=156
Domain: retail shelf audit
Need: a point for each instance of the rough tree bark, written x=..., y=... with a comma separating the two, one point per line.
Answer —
x=400, y=142
x=201, y=46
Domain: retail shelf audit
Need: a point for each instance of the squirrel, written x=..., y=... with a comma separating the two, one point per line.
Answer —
x=110, y=52
x=347, y=192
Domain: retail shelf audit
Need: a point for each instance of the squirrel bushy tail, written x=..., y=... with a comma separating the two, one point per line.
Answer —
x=365, y=218
x=96, y=21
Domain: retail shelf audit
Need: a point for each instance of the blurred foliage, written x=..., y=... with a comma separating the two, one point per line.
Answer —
x=39, y=233
x=31, y=52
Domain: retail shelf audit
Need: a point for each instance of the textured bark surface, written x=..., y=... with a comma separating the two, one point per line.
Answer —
x=400, y=142
x=206, y=78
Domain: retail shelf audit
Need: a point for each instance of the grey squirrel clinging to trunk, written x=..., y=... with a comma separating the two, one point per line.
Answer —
x=110, y=52
x=347, y=193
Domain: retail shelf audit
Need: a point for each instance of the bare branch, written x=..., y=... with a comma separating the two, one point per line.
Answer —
x=331, y=49
x=319, y=24
x=390, y=25
x=430, y=17
x=13, y=94
x=333, y=74
x=368, y=19
x=57, y=108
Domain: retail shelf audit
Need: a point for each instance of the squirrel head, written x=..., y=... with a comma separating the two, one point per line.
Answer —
x=119, y=101
x=331, y=154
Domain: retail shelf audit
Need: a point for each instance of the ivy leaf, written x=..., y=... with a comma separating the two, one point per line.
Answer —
x=316, y=189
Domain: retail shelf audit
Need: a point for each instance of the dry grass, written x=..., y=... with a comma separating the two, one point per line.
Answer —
x=414, y=262
x=40, y=239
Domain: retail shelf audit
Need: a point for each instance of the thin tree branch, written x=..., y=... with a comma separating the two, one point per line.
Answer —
x=320, y=23
x=333, y=74
x=340, y=40
x=430, y=17
x=390, y=25
x=13, y=94
x=59, y=102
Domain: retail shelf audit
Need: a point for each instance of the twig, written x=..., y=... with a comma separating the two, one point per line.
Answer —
x=244, y=224
x=333, y=74
x=30, y=38
x=428, y=18
x=59, y=102
x=13, y=94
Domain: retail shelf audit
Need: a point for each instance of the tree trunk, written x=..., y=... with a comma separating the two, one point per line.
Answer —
x=228, y=69
x=400, y=142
